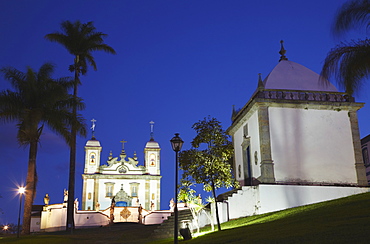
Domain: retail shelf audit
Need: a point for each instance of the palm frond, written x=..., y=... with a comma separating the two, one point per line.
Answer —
x=80, y=40
x=352, y=14
x=349, y=63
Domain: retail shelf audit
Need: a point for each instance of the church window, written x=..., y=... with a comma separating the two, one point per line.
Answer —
x=92, y=158
x=152, y=160
x=365, y=155
x=109, y=187
x=245, y=131
x=134, y=189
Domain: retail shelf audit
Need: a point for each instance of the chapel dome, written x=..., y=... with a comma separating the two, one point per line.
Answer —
x=288, y=75
x=152, y=144
x=92, y=143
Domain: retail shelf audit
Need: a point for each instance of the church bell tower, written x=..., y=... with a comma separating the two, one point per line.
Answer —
x=152, y=154
x=92, y=154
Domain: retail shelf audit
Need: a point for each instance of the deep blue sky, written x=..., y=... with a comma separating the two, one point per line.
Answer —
x=177, y=62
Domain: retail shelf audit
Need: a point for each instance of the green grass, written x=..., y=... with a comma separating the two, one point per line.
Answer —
x=345, y=220
x=340, y=221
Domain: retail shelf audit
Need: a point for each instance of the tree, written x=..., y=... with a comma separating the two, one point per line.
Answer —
x=349, y=61
x=207, y=162
x=38, y=100
x=80, y=40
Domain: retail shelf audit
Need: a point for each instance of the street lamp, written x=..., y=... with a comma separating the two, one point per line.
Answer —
x=176, y=143
x=21, y=190
x=5, y=228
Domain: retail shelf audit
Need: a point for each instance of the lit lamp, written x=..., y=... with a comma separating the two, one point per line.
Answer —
x=176, y=143
x=21, y=190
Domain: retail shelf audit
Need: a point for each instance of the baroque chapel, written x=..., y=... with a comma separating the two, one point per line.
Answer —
x=121, y=179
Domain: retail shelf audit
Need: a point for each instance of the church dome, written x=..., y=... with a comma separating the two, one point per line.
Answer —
x=152, y=144
x=93, y=143
x=288, y=75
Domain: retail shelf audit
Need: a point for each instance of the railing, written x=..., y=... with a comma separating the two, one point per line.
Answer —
x=294, y=95
x=305, y=95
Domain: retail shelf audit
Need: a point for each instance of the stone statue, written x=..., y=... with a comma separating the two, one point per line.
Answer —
x=76, y=203
x=140, y=209
x=46, y=199
x=199, y=199
x=172, y=205
x=112, y=205
x=97, y=206
x=65, y=200
x=65, y=195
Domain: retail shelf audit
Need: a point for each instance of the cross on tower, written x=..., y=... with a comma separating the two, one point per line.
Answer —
x=151, y=130
x=123, y=146
x=93, y=128
x=93, y=124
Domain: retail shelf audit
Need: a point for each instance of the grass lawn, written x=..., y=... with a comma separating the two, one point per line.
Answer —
x=340, y=221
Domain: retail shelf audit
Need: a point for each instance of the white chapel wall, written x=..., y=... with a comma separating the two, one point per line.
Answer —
x=312, y=145
x=253, y=133
x=253, y=200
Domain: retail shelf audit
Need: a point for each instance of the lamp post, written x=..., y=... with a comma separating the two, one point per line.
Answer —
x=21, y=190
x=176, y=143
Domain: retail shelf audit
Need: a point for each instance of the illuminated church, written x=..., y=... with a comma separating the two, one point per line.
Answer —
x=121, y=179
x=296, y=142
x=297, y=129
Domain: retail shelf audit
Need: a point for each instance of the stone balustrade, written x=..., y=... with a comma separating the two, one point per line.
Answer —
x=304, y=95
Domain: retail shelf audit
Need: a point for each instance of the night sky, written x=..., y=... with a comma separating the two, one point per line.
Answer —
x=177, y=62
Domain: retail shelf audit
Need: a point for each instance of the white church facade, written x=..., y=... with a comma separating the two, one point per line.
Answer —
x=121, y=179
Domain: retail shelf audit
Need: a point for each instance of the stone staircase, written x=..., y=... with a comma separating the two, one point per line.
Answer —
x=166, y=229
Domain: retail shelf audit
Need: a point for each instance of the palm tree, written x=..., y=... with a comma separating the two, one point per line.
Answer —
x=80, y=40
x=38, y=100
x=349, y=62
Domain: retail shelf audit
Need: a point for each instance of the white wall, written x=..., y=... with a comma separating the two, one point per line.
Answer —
x=54, y=218
x=253, y=133
x=312, y=145
x=35, y=224
x=252, y=200
x=244, y=203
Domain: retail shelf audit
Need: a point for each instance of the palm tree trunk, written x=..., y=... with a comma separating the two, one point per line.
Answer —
x=72, y=159
x=71, y=184
x=214, y=196
x=30, y=188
